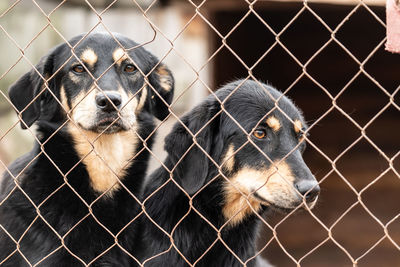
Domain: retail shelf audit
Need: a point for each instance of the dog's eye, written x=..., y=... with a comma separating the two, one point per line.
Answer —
x=78, y=69
x=129, y=68
x=260, y=134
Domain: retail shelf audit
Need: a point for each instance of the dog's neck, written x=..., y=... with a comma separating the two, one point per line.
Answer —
x=106, y=156
x=168, y=205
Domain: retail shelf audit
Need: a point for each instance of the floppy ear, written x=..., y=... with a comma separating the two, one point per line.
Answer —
x=162, y=81
x=30, y=85
x=194, y=165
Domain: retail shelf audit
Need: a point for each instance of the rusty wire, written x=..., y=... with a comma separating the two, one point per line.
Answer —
x=157, y=31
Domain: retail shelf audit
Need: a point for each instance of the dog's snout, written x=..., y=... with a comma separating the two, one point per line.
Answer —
x=309, y=188
x=108, y=101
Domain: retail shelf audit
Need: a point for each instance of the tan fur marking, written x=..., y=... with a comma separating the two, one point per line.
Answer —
x=162, y=71
x=63, y=99
x=236, y=207
x=275, y=187
x=298, y=126
x=165, y=80
x=84, y=108
x=229, y=158
x=142, y=100
x=165, y=84
x=119, y=55
x=108, y=160
x=74, y=78
x=89, y=57
x=273, y=123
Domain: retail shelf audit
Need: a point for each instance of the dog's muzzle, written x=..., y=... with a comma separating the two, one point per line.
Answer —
x=108, y=117
x=308, y=189
x=108, y=102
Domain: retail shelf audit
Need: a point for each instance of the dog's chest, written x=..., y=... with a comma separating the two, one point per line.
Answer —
x=106, y=157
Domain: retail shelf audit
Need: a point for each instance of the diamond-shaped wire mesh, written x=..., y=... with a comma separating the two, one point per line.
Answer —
x=328, y=57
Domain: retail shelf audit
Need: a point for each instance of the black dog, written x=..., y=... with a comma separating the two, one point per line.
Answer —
x=261, y=170
x=71, y=199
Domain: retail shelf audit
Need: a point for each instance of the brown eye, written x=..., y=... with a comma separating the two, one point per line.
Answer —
x=260, y=134
x=78, y=69
x=129, y=68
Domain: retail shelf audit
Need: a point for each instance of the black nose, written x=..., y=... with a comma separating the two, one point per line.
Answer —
x=108, y=101
x=308, y=187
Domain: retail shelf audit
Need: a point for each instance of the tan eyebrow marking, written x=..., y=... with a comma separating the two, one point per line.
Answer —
x=89, y=57
x=298, y=126
x=119, y=55
x=273, y=123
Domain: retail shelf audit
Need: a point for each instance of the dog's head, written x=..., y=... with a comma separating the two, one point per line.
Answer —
x=101, y=85
x=257, y=144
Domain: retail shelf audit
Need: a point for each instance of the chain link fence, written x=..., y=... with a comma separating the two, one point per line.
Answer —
x=358, y=213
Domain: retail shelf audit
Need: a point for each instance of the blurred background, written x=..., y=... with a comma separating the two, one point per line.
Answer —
x=327, y=55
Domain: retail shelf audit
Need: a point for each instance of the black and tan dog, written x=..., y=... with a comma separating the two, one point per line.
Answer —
x=260, y=171
x=78, y=188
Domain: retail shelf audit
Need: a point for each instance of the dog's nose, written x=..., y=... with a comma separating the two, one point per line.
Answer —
x=108, y=101
x=309, y=188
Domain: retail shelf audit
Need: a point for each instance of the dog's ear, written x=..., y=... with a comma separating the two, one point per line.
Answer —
x=162, y=81
x=27, y=93
x=191, y=163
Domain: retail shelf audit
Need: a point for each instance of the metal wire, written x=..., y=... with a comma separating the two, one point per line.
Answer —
x=199, y=14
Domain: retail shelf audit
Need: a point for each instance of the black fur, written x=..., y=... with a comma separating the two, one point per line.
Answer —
x=66, y=212
x=167, y=204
